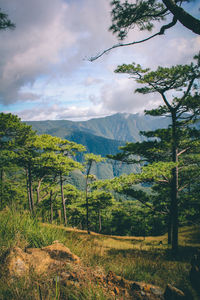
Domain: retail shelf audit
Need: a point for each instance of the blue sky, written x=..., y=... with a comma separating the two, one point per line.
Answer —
x=45, y=73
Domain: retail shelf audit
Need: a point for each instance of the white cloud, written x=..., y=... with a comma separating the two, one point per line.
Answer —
x=91, y=81
x=42, y=60
x=50, y=37
x=119, y=96
x=56, y=112
x=33, y=47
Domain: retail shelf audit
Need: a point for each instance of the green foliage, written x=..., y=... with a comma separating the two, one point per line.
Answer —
x=21, y=229
x=143, y=14
x=90, y=157
x=5, y=22
x=103, y=136
x=13, y=133
x=138, y=259
x=177, y=87
x=126, y=16
x=51, y=155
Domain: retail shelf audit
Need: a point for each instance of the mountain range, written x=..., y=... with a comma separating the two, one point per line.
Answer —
x=103, y=136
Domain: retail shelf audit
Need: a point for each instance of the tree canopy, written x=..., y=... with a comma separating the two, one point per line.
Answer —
x=5, y=22
x=145, y=15
x=178, y=88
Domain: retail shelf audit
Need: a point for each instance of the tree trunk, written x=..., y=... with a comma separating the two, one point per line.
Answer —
x=30, y=188
x=28, y=193
x=99, y=214
x=63, y=199
x=87, y=204
x=2, y=183
x=38, y=190
x=169, y=231
x=51, y=206
x=86, y=197
x=174, y=186
x=87, y=207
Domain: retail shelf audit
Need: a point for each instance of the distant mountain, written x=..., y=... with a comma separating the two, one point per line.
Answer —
x=120, y=126
x=103, y=136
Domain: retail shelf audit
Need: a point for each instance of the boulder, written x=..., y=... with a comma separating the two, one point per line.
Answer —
x=17, y=262
x=43, y=261
x=40, y=261
x=59, y=251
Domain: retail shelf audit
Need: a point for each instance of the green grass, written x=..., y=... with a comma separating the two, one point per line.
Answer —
x=134, y=258
x=48, y=290
x=20, y=229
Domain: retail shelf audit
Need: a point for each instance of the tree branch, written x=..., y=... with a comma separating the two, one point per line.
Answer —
x=182, y=16
x=152, y=208
x=186, y=92
x=162, y=31
x=165, y=100
x=183, y=151
x=182, y=188
x=44, y=196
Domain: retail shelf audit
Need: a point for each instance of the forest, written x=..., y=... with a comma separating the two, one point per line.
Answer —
x=41, y=173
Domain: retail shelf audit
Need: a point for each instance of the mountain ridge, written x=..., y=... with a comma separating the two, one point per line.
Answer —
x=119, y=126
x=103, y=136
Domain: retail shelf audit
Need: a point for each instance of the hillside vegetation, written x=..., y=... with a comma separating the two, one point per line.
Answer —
x=119, y=127
x=46, y=192
x=103, y=136
x=133, y=258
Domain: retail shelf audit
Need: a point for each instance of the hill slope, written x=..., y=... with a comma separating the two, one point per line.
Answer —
x=120, y=127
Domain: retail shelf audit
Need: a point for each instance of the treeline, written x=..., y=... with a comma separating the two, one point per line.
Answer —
x=35, y=175
x=36, y=172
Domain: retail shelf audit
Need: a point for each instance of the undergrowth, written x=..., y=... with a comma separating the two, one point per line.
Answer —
x=133, y=258
x=20, y=229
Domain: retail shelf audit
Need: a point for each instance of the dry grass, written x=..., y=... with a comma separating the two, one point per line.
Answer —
x=138, y=258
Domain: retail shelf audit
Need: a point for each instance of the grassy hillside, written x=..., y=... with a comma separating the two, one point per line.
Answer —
x=134, y=258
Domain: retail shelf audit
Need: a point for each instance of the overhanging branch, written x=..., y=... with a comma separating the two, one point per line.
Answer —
x=162, y=31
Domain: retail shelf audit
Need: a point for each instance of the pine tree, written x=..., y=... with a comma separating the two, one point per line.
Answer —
x=183, y=108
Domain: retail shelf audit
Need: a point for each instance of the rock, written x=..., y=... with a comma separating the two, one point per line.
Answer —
x=142, y=290
x=112, y=277
x=17, y=262
x=43, y=261
x=58, y=262
x=60, y=252
x=172, y=293
x=156, y=291
x=116, y=290
x=135, y=286
x=40, y=261
x=134, y=290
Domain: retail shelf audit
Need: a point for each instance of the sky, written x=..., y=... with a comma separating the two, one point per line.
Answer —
x=45, y=72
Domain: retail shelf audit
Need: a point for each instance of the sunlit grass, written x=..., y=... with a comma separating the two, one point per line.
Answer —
x=146, y=259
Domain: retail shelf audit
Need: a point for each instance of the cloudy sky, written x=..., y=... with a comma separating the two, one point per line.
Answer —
x=44, y=68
